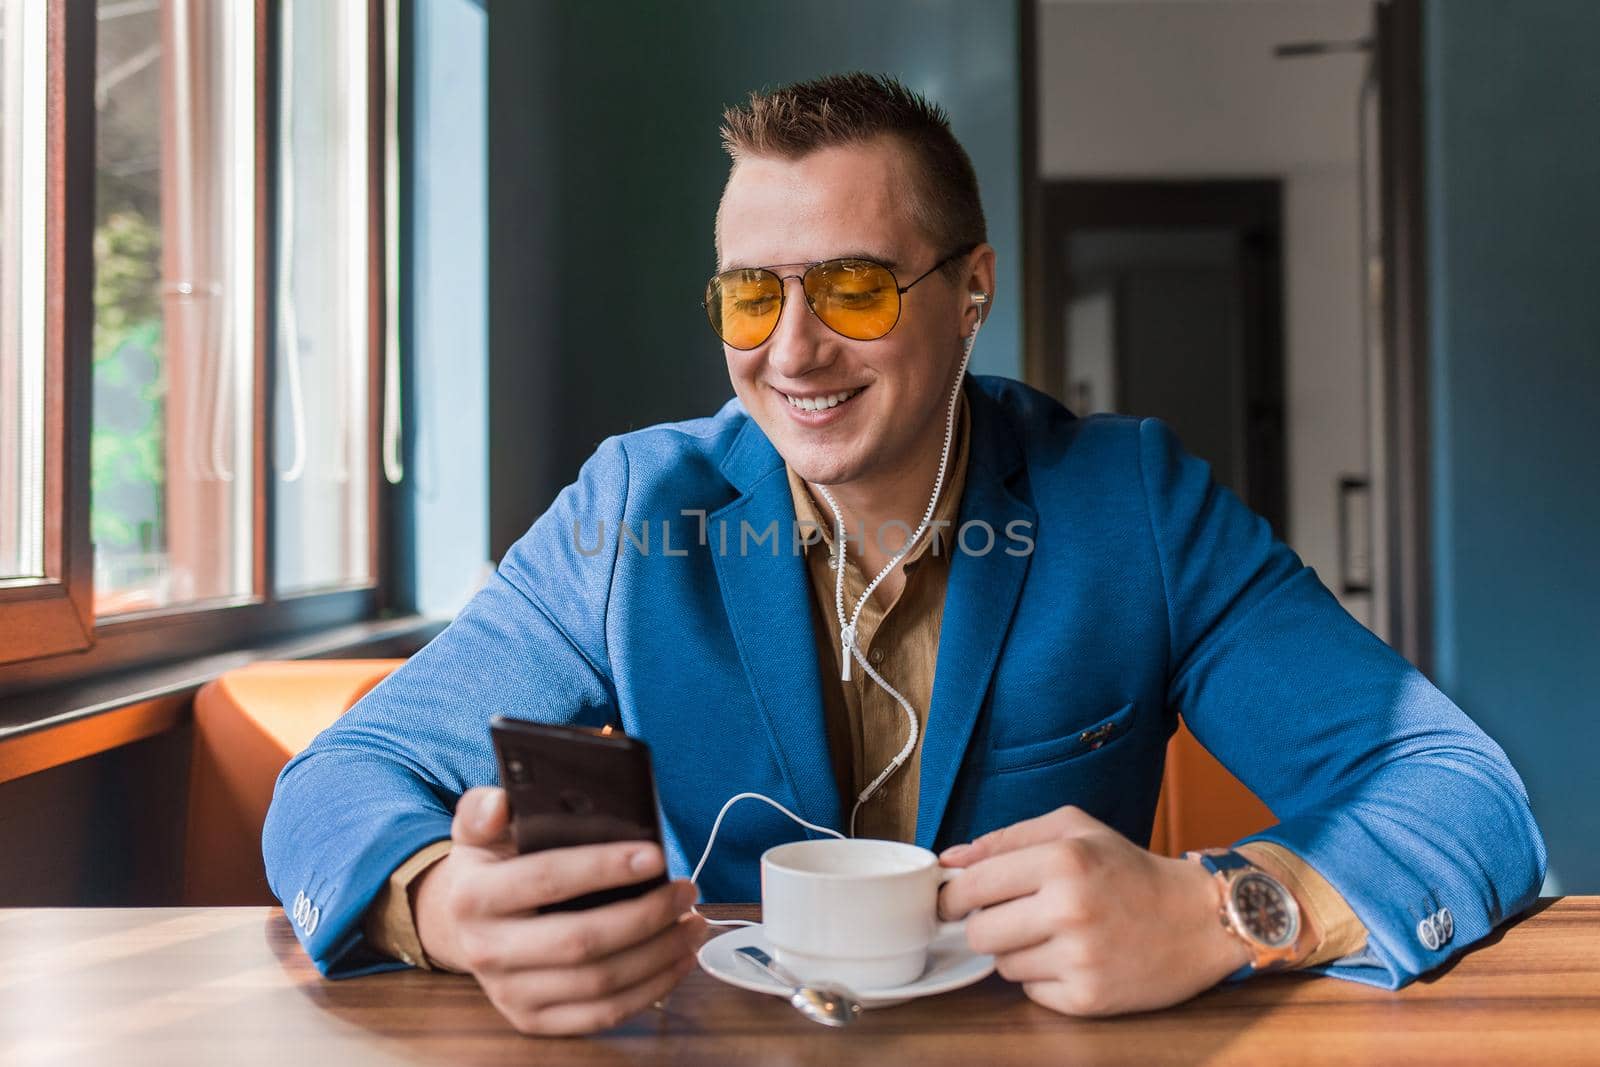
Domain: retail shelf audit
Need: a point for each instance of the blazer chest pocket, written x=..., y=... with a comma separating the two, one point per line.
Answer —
x=1066, y=747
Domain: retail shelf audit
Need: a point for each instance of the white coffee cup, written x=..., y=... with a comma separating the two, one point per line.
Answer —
x=857, y=910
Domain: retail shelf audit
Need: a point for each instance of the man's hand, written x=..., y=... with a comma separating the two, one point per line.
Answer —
x=1087, y=921
x=568, y=972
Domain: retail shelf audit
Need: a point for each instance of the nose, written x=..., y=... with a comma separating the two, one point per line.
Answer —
x=799, y=343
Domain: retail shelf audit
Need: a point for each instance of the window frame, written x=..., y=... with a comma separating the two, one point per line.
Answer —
x=48, y=630
x=54, y=614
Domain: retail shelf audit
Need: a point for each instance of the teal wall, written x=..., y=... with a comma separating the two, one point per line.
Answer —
x=1513, y=116
x=605, y=171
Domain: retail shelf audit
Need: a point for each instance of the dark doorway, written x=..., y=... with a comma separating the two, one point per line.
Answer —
x=1164, y=298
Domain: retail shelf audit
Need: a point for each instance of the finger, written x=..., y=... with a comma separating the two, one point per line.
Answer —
x=549, y=876
x=577, y=937
x=1036, y=963
x=1009, y=927
x=588, y=1017
x=1007, y=876
x=1067, y=821
x=482, y=816
x=1066, y=998
x=539, y=985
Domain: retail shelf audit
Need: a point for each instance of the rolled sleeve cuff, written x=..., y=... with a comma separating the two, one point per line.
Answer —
x=1393, y=899
x=390, y=923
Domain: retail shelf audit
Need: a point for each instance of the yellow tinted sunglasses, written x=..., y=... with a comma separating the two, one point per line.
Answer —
x=855, y=298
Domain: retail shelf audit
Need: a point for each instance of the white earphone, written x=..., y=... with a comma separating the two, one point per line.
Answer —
x=980, y=298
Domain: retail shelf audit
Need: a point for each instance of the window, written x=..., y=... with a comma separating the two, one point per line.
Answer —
x=195, y=256
x=324, y=351
x=22, y=357
x=44, y=606
x=174, y=295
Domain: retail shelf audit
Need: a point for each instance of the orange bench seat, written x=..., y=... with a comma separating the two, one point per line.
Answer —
x=247, y=725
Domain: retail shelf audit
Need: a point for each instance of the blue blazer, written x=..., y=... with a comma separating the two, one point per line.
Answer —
x=1149, y=593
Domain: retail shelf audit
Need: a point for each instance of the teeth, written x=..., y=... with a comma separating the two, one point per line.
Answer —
x=820, y=403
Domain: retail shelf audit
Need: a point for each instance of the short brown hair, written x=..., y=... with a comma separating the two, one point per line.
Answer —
x=840, y=109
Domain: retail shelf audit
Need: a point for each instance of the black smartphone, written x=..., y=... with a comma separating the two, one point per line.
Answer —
x=572, y=785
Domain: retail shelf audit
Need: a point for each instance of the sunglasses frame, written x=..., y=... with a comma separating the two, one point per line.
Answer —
x=783, y=294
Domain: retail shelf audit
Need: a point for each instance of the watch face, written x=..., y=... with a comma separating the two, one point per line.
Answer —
x=1263, y=910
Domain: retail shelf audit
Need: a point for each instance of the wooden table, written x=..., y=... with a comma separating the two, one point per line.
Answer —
x=231, y=986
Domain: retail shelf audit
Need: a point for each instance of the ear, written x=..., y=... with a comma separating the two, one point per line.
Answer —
x=977, y=277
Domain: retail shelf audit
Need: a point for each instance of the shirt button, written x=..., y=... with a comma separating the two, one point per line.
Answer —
x=1427, y=934
x=875, y=656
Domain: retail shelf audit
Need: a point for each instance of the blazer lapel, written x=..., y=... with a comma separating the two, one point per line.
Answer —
x=980, y=598
x=767, y=597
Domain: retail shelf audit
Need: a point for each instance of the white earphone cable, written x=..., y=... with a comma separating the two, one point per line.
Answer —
x=695, y=877
x=847, y=632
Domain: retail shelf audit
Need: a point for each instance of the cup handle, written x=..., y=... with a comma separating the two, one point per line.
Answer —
x=957, y=925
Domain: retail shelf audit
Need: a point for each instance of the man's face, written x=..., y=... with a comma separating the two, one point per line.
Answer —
x=787, y=213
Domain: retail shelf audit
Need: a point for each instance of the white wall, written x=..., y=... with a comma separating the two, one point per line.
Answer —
x=1190, y=88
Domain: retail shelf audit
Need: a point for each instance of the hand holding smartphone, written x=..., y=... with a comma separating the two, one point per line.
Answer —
x=571, y=785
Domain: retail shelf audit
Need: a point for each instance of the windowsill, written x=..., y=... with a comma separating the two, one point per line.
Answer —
x=47, y=727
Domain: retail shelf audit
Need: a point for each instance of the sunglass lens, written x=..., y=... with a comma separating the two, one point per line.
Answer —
x=855, y=297
x=743, y=306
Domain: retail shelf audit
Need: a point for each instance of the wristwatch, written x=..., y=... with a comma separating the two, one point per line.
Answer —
x=1256, y=908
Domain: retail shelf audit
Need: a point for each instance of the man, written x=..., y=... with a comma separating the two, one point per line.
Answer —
x=1116, y=588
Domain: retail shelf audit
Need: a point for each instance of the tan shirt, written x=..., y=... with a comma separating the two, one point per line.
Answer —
x=866, y=728
x=899, y=635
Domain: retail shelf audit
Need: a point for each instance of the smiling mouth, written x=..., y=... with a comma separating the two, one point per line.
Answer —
x=820, y=403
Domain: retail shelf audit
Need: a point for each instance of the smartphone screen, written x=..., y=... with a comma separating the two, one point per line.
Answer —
x=571, y=785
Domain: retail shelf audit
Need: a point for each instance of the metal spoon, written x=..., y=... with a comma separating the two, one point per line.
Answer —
x=825, y=1003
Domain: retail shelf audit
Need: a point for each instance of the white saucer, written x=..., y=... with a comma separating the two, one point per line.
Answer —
x=951, y=965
